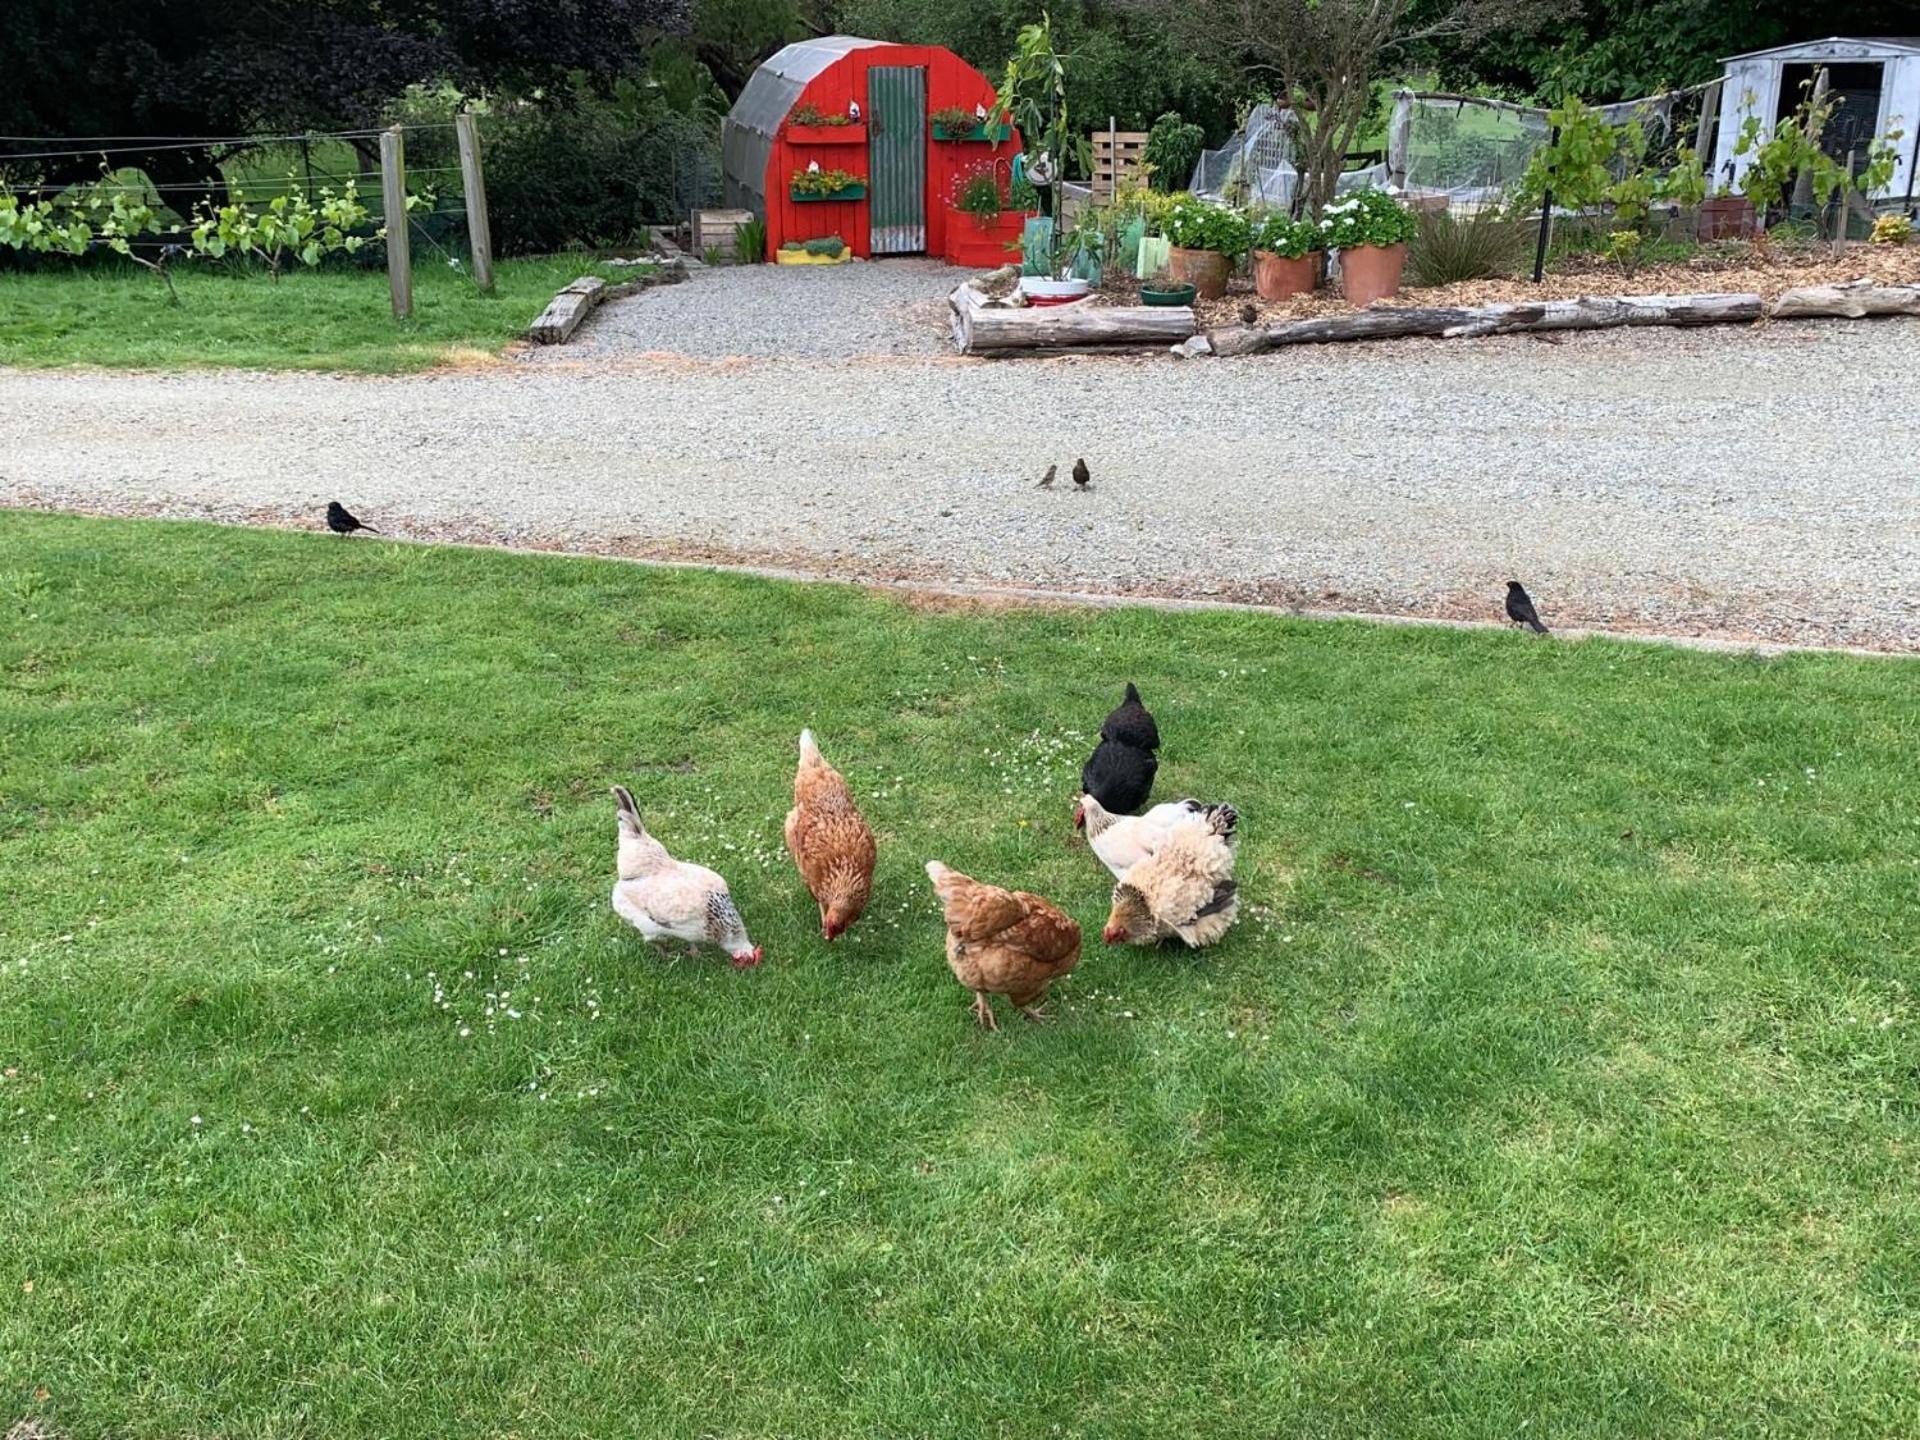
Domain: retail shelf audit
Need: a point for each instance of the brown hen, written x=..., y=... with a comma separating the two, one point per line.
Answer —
x=830, y=841
x=1003, y=942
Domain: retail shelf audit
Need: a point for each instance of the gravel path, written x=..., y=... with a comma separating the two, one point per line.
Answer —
x=819, y=312
x=1742, y=484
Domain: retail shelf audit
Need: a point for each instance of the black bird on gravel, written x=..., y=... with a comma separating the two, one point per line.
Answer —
x=1520, y=608
x=1082, y=476
x=1249, y=314
x=341, y=522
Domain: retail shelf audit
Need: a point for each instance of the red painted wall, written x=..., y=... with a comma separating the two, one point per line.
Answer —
x=950, y=81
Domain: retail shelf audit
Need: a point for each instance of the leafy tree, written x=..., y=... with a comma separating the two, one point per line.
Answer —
x=1620, y=49
x=125, y=68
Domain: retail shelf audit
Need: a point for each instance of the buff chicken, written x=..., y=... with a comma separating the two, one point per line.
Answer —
x=830, y=841
x=1003, y=942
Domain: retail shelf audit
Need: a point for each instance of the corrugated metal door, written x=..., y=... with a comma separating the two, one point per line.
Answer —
x=897, y=158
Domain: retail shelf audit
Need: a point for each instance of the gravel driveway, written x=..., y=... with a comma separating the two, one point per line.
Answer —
x=1753, y=484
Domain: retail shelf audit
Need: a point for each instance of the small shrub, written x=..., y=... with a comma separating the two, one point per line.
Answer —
x=1448, y=248
x=1366, y=217
x=1196, y=224
x=954, y=119
x=1891, y=230
x=821, y=245
x=809, y=115
x=1280, y=234
x=824, y=182
x=979, y=195
x=1173, y=149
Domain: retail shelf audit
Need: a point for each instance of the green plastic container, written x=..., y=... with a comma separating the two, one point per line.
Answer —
x=1036, y=246
x=1169, y=296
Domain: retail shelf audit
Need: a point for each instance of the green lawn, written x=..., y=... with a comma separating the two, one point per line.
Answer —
x=1562, y=1078
x=331, y=319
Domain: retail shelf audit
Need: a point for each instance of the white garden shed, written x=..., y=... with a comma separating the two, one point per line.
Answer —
x=1876, y=80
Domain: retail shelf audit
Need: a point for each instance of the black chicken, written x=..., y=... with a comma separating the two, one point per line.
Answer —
x=1131, y=723
x=1119, y=776
x=1119, y=773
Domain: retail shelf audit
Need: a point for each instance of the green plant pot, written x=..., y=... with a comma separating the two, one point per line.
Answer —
x=1168, y=296
x=812, y=197
x=982, y=134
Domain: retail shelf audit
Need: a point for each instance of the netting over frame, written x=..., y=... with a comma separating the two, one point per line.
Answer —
x=1469, y=149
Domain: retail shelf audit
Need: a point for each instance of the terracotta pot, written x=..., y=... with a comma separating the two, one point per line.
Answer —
x=1275, y=277
x=1724, y=216
x=1371, y=272
x=1205, y=270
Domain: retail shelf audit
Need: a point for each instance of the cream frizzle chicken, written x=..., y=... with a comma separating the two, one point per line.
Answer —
x=1184, y=888
x=1123, y=841
x=664, y=898
x=830, y=842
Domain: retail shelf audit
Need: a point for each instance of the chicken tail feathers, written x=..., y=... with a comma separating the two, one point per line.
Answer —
x=628, y=811
x=1133, y=693
x=809, y=751
x=1223, y=818
x=1224, y=895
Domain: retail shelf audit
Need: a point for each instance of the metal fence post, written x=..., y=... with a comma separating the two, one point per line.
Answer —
x=1546, y=220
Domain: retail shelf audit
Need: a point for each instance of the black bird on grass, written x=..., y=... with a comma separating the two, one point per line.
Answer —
x=341, y=522
x=1520, y=608
x=1082, y=476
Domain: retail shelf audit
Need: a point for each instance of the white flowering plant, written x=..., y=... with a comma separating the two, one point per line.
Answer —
x=1280, y=234
x=1366, y=217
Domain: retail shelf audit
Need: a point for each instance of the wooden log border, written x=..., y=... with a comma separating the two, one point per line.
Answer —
x=981, y=330
x=565, y=312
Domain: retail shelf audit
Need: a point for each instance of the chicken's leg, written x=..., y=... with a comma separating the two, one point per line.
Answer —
x=1033, y=1013
x=983, y=1010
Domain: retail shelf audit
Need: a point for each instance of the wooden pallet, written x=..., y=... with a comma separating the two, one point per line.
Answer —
x=1115, y=155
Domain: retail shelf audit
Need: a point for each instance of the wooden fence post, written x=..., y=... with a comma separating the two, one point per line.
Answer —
x=473, y=183
x=393, y=199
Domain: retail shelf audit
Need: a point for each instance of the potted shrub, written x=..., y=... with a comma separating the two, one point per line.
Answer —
x=1370, y=229
x=815, y=184
x=808, y=124
x=956, y=123
x=982, y=229
x=822, y=250
x=1286, y=256
x=1206, y=239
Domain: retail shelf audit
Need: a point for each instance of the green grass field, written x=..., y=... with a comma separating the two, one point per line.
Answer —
x=1562, y=1077
x=330, y=319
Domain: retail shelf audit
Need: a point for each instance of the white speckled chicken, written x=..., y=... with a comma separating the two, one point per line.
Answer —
x=1123, y=841
x=1184, y=888
x=664, y=898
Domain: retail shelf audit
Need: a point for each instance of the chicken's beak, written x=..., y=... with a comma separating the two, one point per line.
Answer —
x=1113, y=934
x=828, y=932
x=747, y=959
x=1079, y=817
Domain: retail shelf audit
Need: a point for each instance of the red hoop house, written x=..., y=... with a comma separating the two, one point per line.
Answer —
x=906, y=174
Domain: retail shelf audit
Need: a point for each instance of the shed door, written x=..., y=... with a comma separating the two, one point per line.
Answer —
x=897, y=158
